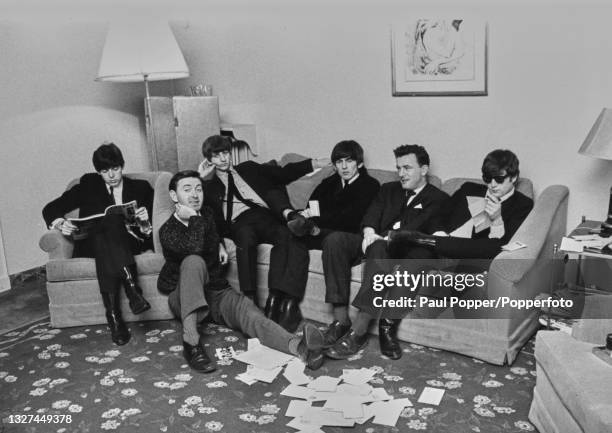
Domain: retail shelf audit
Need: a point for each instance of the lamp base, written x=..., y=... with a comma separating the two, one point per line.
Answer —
x=606, y=228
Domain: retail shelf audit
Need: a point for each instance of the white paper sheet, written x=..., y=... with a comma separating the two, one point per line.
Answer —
x=431, y=396
x=324, y=383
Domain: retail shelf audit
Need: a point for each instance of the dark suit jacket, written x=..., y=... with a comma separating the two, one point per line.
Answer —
x=343, y=208
x=91, y=197
x=514, y=210
x=388, y=208
x=268, y=181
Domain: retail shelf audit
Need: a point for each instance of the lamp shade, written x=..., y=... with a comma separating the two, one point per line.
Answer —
x=135, y=49
x=599, y=141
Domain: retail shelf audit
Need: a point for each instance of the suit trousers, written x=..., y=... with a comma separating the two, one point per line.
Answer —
x=113, y=249
x=341, y=251
x=226, y=307
x=289, y=257
x=379, y=260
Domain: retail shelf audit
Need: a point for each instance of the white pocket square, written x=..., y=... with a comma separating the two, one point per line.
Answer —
x=418, y=206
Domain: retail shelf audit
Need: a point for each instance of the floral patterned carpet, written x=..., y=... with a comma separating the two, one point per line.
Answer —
x=146, y=386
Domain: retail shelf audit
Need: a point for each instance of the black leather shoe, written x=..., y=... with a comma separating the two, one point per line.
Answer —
x=334, y=332
x=197, y=358
x=273, y=306
x=138, y=304
x=290, y=315
x=311, y=347
x=299, y=225
x=387, y=337
x=347, y=346
x=119, y=330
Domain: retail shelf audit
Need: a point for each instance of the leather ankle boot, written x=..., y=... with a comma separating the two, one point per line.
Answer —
x=273, y=305
x=119, y=331
x=387, y=337
x=290, y=314
x=138, y=304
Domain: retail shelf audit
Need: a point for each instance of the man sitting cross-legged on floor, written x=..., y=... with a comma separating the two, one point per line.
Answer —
x=411, y=203
x=193, y=276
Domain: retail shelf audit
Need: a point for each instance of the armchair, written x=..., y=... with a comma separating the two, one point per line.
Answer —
x=72, y=286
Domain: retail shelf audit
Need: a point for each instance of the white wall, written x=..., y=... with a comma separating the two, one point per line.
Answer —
x=308, y=76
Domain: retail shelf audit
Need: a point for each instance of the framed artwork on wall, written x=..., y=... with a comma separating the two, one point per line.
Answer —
x=439, y=57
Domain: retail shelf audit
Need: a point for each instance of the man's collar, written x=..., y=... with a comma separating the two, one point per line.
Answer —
x=507, y=196
x=419, y=189
x=351, y=180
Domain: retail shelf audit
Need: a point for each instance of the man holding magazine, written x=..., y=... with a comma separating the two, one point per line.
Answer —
x=110, y=242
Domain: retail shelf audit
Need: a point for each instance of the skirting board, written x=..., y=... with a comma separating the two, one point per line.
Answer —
x=5, y=284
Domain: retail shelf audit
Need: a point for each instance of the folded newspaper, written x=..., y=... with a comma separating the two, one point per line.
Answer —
x=86, y=225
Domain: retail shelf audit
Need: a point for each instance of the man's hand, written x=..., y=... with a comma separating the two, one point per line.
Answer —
x=369, y=237
x=67, y=228
x=320, y=163
x=492, y=207
x=223, y=256
x=142, y=214
x=184, y=212
x=205, y=168
x=306, y=213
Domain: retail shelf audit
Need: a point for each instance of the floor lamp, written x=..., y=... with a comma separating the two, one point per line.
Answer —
x=142, y=51
x=599, y=145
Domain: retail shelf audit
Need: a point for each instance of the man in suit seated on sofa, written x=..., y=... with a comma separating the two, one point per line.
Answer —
x=460, y=234
x=193, y=276
x=342, y=198
x=110, y=243
x=472, y=228
x=251, y=206
x=410, y=203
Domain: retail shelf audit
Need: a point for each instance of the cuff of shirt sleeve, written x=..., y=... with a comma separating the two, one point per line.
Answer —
x=56, y=223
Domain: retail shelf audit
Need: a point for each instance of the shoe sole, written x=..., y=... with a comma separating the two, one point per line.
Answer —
x=334, y=356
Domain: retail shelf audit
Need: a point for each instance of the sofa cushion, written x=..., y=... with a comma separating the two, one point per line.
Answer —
x=581, y=380
x=83, y=268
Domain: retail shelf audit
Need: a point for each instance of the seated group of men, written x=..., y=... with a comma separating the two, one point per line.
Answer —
x=352, y=218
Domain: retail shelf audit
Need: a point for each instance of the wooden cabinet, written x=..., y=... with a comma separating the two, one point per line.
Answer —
x=176, y=129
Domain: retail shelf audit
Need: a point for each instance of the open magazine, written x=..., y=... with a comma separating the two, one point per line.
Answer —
x=86, y=225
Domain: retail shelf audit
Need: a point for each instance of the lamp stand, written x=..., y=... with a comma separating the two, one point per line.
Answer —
x=606, y=226
x=149, y=125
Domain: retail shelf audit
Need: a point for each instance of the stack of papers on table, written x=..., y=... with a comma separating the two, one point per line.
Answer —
x=577, y=244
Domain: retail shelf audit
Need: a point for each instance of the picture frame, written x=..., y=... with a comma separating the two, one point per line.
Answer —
x=439, y=56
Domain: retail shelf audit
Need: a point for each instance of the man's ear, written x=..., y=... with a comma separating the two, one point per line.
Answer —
x=360, y=165
x=424, y=169
x=173, y=196
x=514, y=179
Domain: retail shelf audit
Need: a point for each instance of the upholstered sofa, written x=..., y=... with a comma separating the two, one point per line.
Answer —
x=572, y=392
x=74, y=299
x=521, y=274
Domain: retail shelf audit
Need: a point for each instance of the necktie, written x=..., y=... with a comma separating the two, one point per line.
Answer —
x=409, y=193
x=112, y=196
x=232, y=192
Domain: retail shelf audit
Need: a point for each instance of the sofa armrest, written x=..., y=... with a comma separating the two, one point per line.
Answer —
x=545, y=225
x=58, y=246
